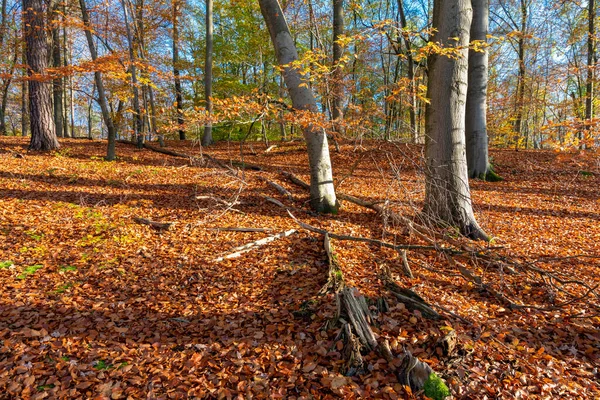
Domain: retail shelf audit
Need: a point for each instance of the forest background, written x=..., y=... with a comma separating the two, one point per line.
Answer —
x=127, y=278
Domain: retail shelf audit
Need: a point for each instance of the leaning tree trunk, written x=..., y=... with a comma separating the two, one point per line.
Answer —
x=322, y=192
x=447, y=195
x=207, y=138
x=43, y=134
x=476, y=122
x=108, y=121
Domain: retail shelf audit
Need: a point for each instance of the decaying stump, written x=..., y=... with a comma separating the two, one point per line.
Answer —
x=335, y=277
x=355, y=318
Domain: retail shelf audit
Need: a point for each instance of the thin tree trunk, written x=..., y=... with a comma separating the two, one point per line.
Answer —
x=43, y=133
x=6, y=81
x=207, y=138
x=24, y=91
x=108, y=121
x=322, y=192
x=137, y=116
x=176, y=73
x=521, y=77
x=447, y=194
x=591, y=56
x=338, y=75
x=476, y=121
x=410, y=73
x=66, y=80
x=57, y=82
x=90, y=135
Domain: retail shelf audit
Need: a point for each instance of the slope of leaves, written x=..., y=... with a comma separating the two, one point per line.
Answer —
x=95, y=304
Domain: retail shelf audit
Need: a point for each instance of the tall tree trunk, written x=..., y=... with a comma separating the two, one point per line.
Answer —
x=43, y=133
x=137, y=116
x=207, y=138
x=447, y=194
x=476, y=122
x=322, y=192
x=591, y=56
x=521, y=77
x=24, y=90
x=90, y=106
x=412, y=111
x=57, y=82
x=66, y=80
x=99, y=85
x=6, y=81
x=176, y=73
x=338, y=75
x=5, y=89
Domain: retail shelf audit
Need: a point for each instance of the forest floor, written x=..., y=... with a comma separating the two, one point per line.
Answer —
x=95, y=304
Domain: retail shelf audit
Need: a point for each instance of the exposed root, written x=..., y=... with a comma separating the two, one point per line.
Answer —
x=412, y=300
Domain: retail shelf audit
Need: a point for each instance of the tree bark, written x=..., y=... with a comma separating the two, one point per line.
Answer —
x=521, y=77
x=207, y=138
x=322, y=192
x=110, y=127
x=411, y=75
x=591, y=56
x=43, y=133
x=176, y=73
x=476, y=121
x=57, y=82
x=447, y=195
x=24, y=89
x=338, y=75
x=137, y=116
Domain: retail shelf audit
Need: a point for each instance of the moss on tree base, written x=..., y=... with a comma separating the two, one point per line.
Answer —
x=491, y=176
x=435, y=388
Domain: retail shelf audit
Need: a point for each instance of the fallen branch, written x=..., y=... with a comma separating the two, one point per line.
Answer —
x=154, y=224
x=278, y=187
x=236, y=229
x=238, y=251
x=405, y=265
x=396, y=247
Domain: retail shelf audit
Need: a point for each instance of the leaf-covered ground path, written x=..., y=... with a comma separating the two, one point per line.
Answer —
x=94, y=303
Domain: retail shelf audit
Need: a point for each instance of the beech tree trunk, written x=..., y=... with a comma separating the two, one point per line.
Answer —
x=176, y=73
x=207, y=138
x=338, y=75
x=447, y=194
x=476, y=121
x=24, y=89
x=57, y=82
x=411, y=75
x=43, y=133
x=322, y=192
x=591, y=56
x=521, y=77
x=137, y=115
x=99, y=85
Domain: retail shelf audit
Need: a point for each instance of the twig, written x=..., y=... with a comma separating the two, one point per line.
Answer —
x=360, y=239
